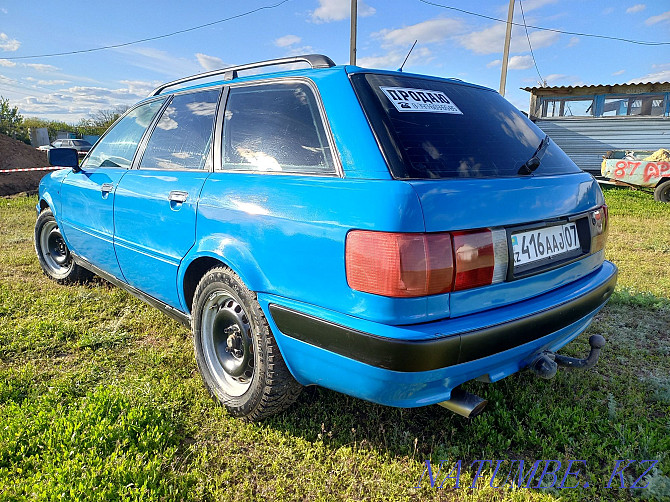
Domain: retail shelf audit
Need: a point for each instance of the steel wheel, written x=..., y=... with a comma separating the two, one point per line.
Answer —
x=53, y=253
x=237, y=356
x=227, y=342
x=54, y=250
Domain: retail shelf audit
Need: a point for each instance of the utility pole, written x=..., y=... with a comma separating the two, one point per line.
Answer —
x=352, y=41
x=508, y=36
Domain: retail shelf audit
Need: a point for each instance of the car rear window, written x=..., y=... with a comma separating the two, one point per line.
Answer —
x=275, y=127
x=436, y=129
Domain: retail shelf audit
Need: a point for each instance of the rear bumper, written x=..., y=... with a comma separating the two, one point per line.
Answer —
x=420, y=364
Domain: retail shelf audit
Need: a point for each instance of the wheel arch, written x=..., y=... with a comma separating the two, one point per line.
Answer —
x=197, y=263
x=661, y=181
x=47, y=202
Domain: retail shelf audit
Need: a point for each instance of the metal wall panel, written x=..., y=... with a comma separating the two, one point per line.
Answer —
x=586, y=140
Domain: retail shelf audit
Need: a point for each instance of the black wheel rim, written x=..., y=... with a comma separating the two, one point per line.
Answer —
x=227, y=343
x=54, y=251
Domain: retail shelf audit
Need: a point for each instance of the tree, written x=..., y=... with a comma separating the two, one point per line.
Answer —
x=10, y=119
x=102, y=119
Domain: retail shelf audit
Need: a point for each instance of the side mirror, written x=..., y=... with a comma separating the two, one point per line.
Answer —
x=64, y=157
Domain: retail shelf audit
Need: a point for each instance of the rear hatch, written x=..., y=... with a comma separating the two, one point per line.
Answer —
x=476, y=162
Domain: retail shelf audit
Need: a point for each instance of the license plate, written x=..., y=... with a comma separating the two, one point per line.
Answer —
x=544, y=243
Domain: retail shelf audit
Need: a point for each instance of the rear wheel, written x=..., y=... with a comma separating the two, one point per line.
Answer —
x=236, y=353
x=53, y=253
x=662, y=192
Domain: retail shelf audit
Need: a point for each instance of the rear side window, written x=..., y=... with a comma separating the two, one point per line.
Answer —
x=275, y=127
x=117, y=147
x=436, y=129
x=183, y=135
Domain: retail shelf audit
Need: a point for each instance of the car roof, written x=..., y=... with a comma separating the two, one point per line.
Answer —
x=319, y=65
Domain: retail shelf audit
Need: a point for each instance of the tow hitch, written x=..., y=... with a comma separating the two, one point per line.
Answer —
x=546, y=363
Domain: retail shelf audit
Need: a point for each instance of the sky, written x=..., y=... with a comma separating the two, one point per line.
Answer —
x=450, y=44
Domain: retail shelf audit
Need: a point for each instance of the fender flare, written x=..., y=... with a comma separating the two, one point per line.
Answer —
x=232, y=253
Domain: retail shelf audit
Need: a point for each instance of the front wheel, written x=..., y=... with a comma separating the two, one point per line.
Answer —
x=236, y=353
x=53, y=253
x=662, y=192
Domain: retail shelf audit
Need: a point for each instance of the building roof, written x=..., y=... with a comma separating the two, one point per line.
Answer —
x=601, y=88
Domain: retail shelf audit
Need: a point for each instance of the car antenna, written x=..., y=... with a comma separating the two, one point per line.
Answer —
x=407, y=57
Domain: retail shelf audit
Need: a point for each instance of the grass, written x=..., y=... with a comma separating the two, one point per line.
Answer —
x=100, y=399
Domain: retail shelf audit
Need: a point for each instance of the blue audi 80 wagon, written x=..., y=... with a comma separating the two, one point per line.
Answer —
x=384, y=234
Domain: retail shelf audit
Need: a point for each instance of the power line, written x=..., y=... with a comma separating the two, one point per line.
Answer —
x=523, y=16
x=157, y=37
x=630, y=41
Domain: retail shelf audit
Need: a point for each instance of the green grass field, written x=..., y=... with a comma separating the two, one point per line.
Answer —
x=100, y=399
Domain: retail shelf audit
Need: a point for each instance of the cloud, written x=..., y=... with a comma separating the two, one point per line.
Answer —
x=520, y=62
x=6, y=80
x=530, y=5
x=658, y=76
x=635, y=8
x=76, y=102
x=159, y=61
x=8, y=44
x=490, y=40
x=658, y=19
x=209, y=63
x=139, y=88
x=617, y=73
x=495, y=62
x=53, y=82
x=42, y=67
x=337, y=10
x=426, y=32
x=555, y=78
x=304, y=49
x=7, y=63
x=287, y=40
x=573, y=41
x=393, y=59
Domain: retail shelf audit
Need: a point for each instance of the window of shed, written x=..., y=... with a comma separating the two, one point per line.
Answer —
x=649, y=105
x=567, y=107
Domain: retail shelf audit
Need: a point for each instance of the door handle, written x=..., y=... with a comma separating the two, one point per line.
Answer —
x=178, y=196
x=107, y=187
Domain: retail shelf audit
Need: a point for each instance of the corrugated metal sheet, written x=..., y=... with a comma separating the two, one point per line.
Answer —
x=592, y=86
x=586, y=140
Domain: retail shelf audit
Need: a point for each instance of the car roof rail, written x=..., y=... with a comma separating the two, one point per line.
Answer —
x=314, y=60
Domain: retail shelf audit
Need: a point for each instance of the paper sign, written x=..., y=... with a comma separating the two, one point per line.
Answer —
x=407, y=99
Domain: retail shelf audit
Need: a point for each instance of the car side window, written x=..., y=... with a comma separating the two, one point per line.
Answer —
x=275, y=127
x=183, y=135
x=117, y=147
x=57, y=143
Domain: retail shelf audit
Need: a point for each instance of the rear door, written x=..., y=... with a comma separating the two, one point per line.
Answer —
x=87, y=197
x=155, y=206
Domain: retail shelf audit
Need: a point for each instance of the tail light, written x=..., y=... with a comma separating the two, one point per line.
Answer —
x=600, y=222
x=398, y=264
x=418, y=264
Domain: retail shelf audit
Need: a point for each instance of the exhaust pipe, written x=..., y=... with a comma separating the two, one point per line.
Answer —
x=464, y=404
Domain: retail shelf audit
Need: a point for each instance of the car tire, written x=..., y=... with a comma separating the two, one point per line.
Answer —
x=53, y=253
x=236, y=353
x=662, y=192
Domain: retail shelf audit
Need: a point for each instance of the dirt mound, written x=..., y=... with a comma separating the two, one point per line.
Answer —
x=16, y=155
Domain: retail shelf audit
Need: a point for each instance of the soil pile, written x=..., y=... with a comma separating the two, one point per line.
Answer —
x=15, y=154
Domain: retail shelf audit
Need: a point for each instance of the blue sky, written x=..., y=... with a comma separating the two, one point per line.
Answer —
x=450, y=44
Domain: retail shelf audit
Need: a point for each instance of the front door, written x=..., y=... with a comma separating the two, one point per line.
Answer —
x=156, y=205
x=87, y=197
